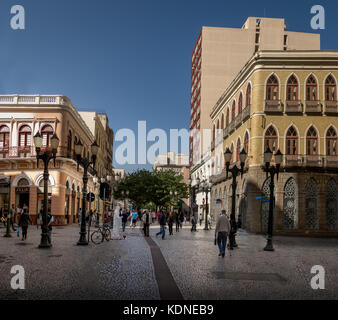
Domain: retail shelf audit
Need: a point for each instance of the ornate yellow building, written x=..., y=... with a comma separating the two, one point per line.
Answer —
x=286, y=100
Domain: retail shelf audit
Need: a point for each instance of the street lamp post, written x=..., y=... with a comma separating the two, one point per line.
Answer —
x=206, y=188
x=9, y=216
x=97, y=222
x=234, y=172
x=85, y=163
x=191, y=196
x=103, y=180
x=273, y=170
x=46, y=156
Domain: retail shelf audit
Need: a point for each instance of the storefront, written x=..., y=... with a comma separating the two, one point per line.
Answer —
x=4, y=191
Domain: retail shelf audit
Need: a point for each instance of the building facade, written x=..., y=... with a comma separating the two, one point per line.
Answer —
x=287, y=101
x=219, y=54
x=179, y=163
x=21, y=117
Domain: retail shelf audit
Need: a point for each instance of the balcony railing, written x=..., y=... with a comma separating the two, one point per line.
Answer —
x=313, y=106
x=225, y=132
x=331, y=107
x=231, y=126
x=34, y=99
x=246, y=113
x=29, y=152
x=293, y=106
x=273, y=106
x=238, y=120
x=319, y=161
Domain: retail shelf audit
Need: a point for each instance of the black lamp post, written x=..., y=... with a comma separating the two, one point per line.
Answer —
x=273, y=170
x=206, y=188
x=107, y=181
x=85, y=163
x=46, y=156
x=234, y=172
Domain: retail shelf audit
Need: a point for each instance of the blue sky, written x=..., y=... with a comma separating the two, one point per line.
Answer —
x=130, y=58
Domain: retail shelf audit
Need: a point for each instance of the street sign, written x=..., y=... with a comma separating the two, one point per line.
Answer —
x=90, y=197
x=263, y=199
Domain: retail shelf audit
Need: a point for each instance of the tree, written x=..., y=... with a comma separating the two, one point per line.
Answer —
x=148, y=189
x=164, y=182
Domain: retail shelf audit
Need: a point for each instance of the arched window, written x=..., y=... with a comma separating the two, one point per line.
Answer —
x=227, y=117
x=331, y=205
x=4, y=137
x=311, y=142
x=291, y=141
x=311, y=205
x=248, y=96
x=311, y=88
x=272, y=88
x=25, y=136
x=240, y=103
x=331, y=142
x=233, y=111
x=222, y=121
x=292, y=89
x=246, y=142
x=46, y=132
x=290, y=207
x=330, y=89
x=271, y=139
x=238, y=149
x=217, y=124
x=69, y=141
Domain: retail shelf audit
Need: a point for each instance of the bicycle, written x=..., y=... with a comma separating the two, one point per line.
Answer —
x=102, y=233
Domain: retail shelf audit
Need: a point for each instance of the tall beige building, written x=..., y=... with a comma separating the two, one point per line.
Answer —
x=219, y=54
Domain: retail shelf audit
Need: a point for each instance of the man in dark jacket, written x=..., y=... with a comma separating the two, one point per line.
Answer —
x=125, y=216
x=163, y=222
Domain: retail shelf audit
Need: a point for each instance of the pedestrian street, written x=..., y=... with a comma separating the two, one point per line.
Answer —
x=185, y=265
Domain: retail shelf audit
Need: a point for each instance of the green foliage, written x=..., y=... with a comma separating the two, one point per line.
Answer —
x=152, y=189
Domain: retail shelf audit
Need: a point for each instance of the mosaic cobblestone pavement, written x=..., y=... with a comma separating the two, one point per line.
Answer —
x=125, y=269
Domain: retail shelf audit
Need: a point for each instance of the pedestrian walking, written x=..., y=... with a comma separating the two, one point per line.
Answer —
x=193, y=223
x=39, y=218
x=23, y=223
x=18, y=214
x=181, y=220
x=239, y=221
x=171, y=222
x=200, y=217
x=11, y=216
x=177, y=222
x=221, y=232
x=163, y=222
x=125, y=216
x=146, y=218
x=134, y=215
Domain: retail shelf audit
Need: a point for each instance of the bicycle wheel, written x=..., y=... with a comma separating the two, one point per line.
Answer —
x=107, y=234
x=96, y=237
